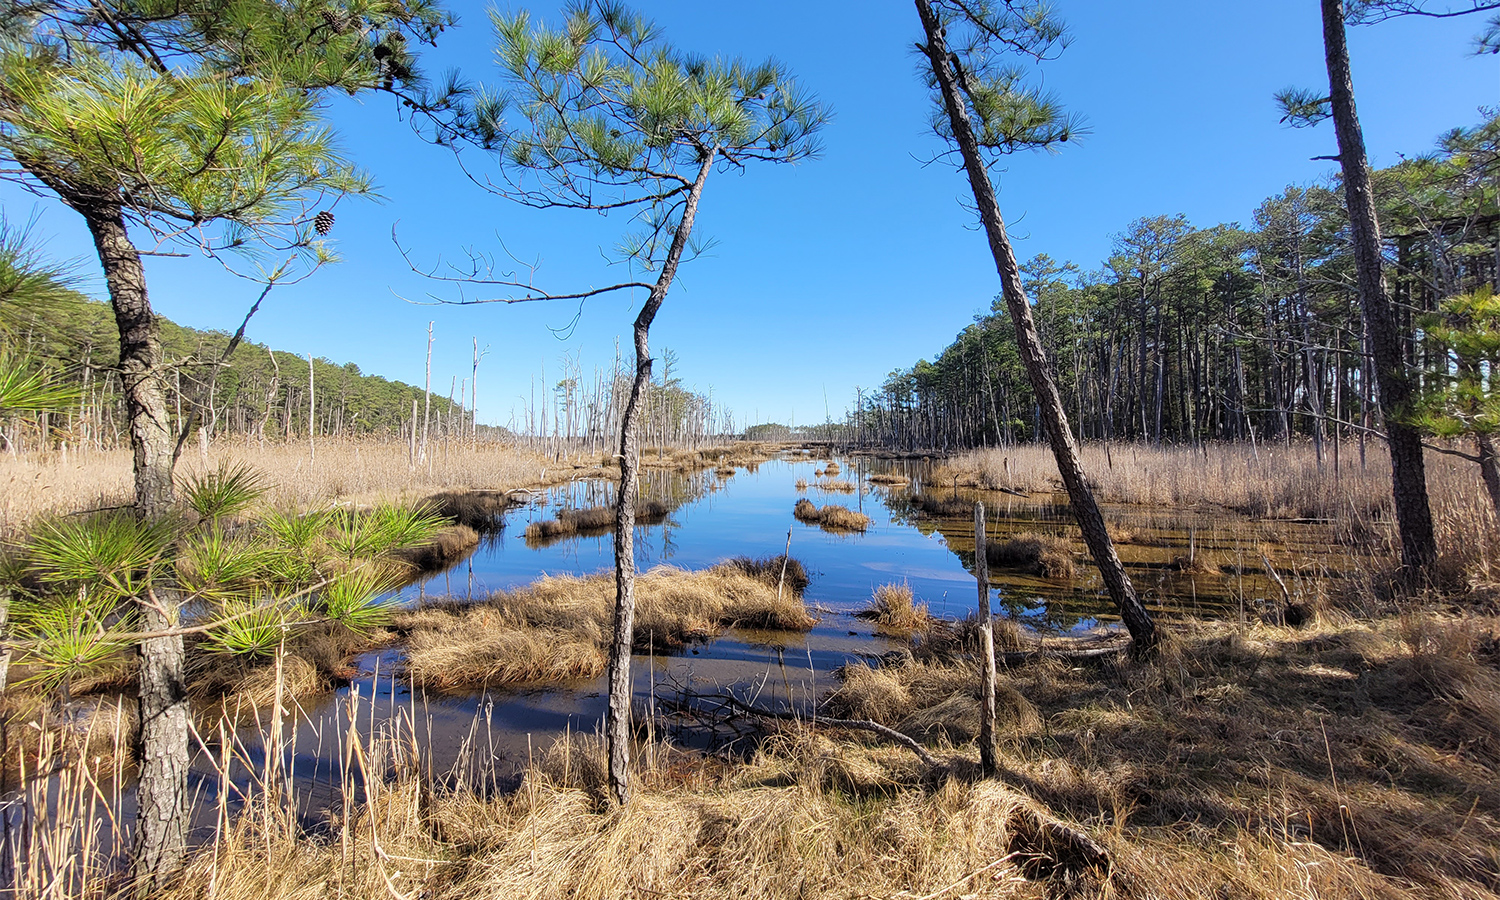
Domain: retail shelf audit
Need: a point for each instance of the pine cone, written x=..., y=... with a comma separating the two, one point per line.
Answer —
x=336, y=20
x=323, y=222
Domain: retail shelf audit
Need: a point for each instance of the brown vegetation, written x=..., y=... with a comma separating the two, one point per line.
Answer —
x=361, y=472
x=889, y=478
x=947, y=506
x=1040, y=554
x=836, y=484
x=894, y=610
x=832, y=517
x=592, y=520
x=443, y=550
x=557, y=628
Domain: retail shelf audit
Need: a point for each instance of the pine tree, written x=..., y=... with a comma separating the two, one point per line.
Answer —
x=601, y=114
x=986, y=108
x=195, y=121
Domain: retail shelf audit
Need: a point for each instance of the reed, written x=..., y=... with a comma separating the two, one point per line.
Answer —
x=359, y=472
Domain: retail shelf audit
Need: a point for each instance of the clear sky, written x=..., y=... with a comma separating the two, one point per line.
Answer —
x=828, y=275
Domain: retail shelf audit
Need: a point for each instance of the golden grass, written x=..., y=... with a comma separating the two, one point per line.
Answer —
x=889, y=478
x=832, y=517
x=893, y=609
x=1268, y=481
x=557, y=628
x=836, y=485
x=832, y=469
x=361, y=472
x=1042, y=554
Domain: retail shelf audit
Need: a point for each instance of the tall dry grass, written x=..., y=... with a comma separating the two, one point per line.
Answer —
x=350, y=471
x=1266, y=481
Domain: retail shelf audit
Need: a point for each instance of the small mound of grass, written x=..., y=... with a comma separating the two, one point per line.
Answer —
x=480, y=510
x=592, y=520
x=945, y=507
x=889, y=478
x=769, y=569
x=444, y=549
x=1039, y=554
x=836, y=484
x=833, y=518
x=893, y=609
x=832, y=469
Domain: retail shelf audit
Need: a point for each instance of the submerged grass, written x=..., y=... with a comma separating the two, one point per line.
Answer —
x=557, y=628
x=1041, y=554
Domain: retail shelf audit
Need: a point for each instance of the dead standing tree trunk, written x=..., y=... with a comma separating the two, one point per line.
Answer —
x=1090, y=520
x=617, y=719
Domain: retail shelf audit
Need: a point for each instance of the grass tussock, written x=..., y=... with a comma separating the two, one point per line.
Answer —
x=832, y=517
x=801, y=484
x=832, y=469
x=836, y=485
x=1040, y=554
x=893, y=609
x=592, y=520
x=445, y=549
x=890, y=478
x=556, y=629
x=786, y=572
x=482, y=511
x=947, y=506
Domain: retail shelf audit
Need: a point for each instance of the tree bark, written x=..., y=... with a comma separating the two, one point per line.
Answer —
x=151, y=438
x=987, y=762
x=1090, y=520
x=617, y=718
x=1408, y=472
x=160, y=846
x=1488, y=468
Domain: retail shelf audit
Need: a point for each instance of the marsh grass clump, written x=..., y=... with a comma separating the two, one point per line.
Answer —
x=783, y=570
x=801, y=484
x=889, y=478
x=893, y=609
x=836, y=485
x=1041, y=554
x=947, y=506
x=556, y=628
x=443, y=550
x=832, y=469
x=483, y=511
x=592, y=520
x=832, y=518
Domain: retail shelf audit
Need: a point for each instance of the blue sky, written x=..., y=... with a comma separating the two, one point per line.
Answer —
x=827, y=275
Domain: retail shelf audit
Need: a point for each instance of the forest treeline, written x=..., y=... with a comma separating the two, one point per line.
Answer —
x=1230, y=332
x=257, y=392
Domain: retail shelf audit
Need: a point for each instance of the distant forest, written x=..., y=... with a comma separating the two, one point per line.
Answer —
x=1229, y=332
x=257, y=393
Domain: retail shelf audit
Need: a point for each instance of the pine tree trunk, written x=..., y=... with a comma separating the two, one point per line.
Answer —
x=161, y=747
x=617, y=719
x=151, y=438
x=162, y=739
x=1090, y=520
x=1488, y=468
x=1408, y=472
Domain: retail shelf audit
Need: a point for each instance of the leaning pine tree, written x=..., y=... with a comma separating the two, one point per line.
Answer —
x=601, y=114
x=985, y=109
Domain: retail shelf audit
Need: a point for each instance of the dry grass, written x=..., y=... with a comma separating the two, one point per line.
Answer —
x=801, y=484
x=1040, y=554
x=557, y=628
x=591, y=520
x=894, y=610
x=836, y=485
x=726, y=457
x=361, y=472
x=832, y=469
x=834, y=518
x=889, y=478
x=1269, y=481
x=444, y=549
x=948, y=506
